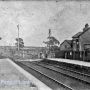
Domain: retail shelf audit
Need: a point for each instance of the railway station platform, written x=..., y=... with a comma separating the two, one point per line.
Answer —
x=74, y=62
x=69, y=61
x=13, y=77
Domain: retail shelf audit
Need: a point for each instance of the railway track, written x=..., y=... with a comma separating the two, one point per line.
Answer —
x=72, y=73
x=51, y=82
x=55, y=76
x=78, y=68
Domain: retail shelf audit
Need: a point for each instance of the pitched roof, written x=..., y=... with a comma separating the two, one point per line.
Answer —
x=68, y=41
x=80, y=33
x=77, y=35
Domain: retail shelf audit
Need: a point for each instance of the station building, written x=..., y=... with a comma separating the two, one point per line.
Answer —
x=79, y=46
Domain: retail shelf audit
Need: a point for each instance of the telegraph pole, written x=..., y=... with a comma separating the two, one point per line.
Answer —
x=18, y=36
x=49, y=38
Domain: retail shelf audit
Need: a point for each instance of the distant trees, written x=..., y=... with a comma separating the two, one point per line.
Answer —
x=19, y=43
x=52, y=43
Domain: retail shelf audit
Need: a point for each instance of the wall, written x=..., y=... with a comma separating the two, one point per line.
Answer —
x=64, y=46
x=84, y=39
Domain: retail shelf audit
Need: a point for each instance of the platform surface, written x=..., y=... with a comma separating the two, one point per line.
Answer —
x=13, y=77
x=76, y=62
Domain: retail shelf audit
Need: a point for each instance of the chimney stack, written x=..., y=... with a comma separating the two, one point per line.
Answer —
x=86, y=27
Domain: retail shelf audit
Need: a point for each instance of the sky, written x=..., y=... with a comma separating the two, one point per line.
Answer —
x=35, y=18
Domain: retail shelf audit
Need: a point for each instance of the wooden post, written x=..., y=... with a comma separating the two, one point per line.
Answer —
x=80, y=55
x=83, y=55
x=65, y=55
